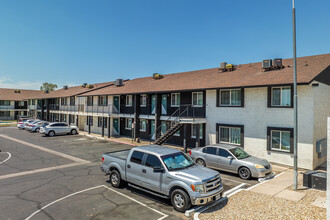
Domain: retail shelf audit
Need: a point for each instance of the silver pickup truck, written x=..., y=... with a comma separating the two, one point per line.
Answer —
x=165, y=172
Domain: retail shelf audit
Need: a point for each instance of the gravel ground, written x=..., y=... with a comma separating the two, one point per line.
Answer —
x=250, y=205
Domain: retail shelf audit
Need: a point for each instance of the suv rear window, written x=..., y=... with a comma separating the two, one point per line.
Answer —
x=137, y=157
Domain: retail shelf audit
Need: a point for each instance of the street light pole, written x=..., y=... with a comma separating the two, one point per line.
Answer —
x=295, y=106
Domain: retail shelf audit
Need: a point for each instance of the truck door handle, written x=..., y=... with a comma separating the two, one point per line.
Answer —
x=144, y=171
x=128, y=166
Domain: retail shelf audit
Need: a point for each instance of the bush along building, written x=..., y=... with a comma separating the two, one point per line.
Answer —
x=246, y=105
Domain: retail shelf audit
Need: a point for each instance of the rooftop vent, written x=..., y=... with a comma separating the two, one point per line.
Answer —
x=267, y=64
x=226, y=67
x=90, y=86
x=230, y=67
x=65, y=87
x=223, y=66
x=277, y=63
x=84, y=85
x=17, y=91
x=119, y=82
x=157, y=76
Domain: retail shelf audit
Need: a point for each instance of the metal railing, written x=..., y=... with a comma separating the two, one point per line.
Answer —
x=85, y=109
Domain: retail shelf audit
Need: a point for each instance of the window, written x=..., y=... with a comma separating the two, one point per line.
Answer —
x=230, y=134
x=100, y=122
x=143, y=100
x=33, y=101
x=63, y=101
x=177, y=133
x=4, y=114
x=137, y=157
x=194, y=131
x=153, y=161
x=90, y=120
x=71, y=119
x=280, y=139
x=210, y=150
x=280, y=97
x=231, y=97
x=129, y=100
x=89, y=100
x=128, y=123
x=62, y=117
x=224, y=153
x=103, y=100
x=21, y=103
x=72, y=100
x=143, y=125
x=5, y=102
x=175, y=99
x=197, y=99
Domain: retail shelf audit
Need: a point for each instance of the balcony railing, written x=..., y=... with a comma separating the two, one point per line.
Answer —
x=85, y=109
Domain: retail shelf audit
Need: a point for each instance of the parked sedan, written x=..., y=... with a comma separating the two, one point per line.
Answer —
x=35, y=127
x=28, y=122
x=58, y=128
x=31, y=125
x=21, y=122
x=232, y=159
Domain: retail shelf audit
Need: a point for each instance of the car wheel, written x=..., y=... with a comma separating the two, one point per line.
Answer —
x=51, y=133
x=244, y=173
x=37, y=130
x=115, y=179
x=180, y=200
x=73, y=131
x=201, y=162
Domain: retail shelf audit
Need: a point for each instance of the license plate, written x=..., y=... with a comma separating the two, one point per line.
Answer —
x=217, y=197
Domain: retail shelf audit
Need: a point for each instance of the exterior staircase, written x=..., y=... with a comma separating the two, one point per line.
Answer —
x=175, y=126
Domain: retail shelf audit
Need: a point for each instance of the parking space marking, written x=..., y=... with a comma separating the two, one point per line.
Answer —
x=126, y=196
x=234, y=180
x=9, y=156
x=76, y=159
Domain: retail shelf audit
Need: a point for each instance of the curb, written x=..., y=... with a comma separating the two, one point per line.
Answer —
x=107, y=139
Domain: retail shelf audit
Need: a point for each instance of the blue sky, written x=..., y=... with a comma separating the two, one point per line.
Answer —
x=70, y=42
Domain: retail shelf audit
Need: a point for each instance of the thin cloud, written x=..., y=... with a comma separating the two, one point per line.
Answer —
x=6, y=82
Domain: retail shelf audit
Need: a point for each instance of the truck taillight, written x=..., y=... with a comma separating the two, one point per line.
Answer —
x=102, y=159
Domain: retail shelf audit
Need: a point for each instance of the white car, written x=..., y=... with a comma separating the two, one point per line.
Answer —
x=22, y=122
x=58, y=128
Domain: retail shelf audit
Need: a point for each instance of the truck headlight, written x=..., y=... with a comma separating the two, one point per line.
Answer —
x=258, y=166
x=198, y=188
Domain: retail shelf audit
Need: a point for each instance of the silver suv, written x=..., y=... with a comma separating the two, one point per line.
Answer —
x=58, y=128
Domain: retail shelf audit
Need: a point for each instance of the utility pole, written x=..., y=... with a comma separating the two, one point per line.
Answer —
x=295, y=106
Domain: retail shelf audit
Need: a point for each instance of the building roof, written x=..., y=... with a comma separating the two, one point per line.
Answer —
x=19, y=95
x=246, y=75
x=72, y=91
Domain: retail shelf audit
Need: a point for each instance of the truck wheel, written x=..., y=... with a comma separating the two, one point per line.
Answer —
x=51, y=133
x=201, y=162
x=244, y=173
x=180, y=200
x=115, y=179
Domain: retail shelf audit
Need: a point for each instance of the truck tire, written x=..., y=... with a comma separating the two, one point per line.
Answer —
x=180, y=200
x=115, y=179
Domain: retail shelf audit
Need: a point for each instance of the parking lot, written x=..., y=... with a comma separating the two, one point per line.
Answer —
x=59, y=178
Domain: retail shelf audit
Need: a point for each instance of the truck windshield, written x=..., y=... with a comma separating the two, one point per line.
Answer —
x=177, y=161
x=239, y=153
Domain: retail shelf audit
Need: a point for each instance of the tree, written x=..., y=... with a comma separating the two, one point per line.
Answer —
x=48, y=86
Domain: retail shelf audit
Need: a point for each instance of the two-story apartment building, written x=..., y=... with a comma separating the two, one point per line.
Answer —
x=13, y=102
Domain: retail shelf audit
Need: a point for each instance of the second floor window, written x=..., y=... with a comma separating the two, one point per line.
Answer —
x=230, y=97
x=129, y=100
x=63, y=101
x=21, y=103
x=72, y=100
x=197, y=99
x=103, y=100
x=5, y=102
x=143, y=100
x=281, y=96
x=89, y=100
x=175, y=99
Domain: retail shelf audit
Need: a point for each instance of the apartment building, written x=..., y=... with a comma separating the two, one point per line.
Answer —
x=13, y=102
x=244, y=105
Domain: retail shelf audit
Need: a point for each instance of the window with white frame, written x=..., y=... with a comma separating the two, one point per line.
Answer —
x=197, y=99
x=194, y=130
x=281, y=96
x=280, y=139
x=175, y=99
x=143, y=125
x=64, y=101
x=89, y=100
x=128, y=123
x=143, y=100
x=230, y=134
x=230, y=97
x=72, y=100
x=129, y=100
x=103, y=100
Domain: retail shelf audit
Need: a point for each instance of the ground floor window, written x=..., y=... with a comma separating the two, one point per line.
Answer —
x=143, y=125
x=280, y=139
x=63, y=118
x=90, y=120
x=71, y=119
x=128, y=123
x=4, y=114
x=230, y=134
x=100, y=122
x=194, y=128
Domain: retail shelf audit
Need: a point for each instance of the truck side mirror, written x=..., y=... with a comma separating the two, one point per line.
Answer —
x=159, y=170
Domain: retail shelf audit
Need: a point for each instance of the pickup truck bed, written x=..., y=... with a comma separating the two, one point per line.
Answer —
x=119, y=154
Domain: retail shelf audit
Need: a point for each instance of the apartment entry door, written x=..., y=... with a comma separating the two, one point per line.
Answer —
x=115, y=122
x=164, y=104
x=153, y=104
x=152, y=130
x=116, y=103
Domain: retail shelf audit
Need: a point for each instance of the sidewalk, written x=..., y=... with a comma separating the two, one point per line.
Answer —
x=273, y=199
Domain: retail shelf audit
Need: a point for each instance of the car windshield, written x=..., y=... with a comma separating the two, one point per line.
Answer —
x=177, y=161
x=239, y=153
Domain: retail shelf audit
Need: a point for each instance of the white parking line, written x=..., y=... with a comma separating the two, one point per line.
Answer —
x=234, y=181
x=65, y=197
x=9, y=156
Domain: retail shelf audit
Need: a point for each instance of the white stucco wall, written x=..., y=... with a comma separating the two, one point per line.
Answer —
x=328, y=173
x=256, y=117
x=321, y=113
